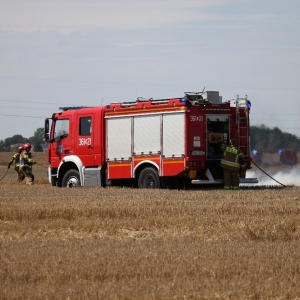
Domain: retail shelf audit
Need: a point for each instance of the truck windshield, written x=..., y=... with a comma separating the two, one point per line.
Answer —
x=61, y=129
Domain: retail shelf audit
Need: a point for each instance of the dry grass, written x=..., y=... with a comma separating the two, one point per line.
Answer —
x=113, y=243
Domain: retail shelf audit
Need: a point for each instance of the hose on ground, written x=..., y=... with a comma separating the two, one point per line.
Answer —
x=267, y=174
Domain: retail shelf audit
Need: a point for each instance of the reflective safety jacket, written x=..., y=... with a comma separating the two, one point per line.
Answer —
x=233, y=158
x=25, y=159
x=16, y=159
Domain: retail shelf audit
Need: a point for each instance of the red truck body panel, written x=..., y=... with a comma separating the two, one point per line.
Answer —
x=174, y=138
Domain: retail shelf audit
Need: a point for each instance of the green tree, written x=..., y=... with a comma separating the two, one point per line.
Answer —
x=6, y=145
x=267, y=139
x=37, y=139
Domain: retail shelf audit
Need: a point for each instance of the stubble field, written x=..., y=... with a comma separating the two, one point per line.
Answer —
x=114, y=243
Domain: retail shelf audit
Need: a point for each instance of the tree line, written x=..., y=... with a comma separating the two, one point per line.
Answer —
x=261, y=138
x=11, y=144
x=272, y=139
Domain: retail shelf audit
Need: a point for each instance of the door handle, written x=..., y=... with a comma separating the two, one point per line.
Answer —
x=90, y=147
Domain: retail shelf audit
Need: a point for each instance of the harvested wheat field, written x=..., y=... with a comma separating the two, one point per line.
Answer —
x=115, y=243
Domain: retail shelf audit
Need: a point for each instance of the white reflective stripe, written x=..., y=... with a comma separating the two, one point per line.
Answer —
x=230, y=163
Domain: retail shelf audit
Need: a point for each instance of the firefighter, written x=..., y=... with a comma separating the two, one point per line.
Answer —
x=16, y=159
x=27, y=147
x=232, y=161
x=26, y=163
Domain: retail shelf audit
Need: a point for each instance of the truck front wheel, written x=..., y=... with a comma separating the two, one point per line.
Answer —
x=148, y=179
x=71, y=179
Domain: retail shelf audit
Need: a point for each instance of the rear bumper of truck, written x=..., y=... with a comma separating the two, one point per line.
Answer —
x=211, y=180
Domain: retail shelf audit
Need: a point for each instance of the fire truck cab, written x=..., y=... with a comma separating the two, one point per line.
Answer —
x=146, y=143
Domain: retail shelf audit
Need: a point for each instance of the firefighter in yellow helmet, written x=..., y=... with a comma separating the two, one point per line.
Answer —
x=232, y=161
x=16, y=159
x=26, y=163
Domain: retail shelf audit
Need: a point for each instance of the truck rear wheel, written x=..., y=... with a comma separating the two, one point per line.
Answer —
x=71, y=179
x=149, y=179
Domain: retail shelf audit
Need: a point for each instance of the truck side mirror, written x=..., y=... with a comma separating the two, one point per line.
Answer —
x=46, y=133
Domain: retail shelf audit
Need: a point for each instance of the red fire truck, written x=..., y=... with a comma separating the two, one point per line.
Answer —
x=147, y=143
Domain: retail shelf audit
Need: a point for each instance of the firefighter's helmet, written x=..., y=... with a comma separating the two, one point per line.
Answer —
x=27, y=147
x=20, y=148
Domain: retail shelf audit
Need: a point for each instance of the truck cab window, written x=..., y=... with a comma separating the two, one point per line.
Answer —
x=61, y=129
x=85, y=126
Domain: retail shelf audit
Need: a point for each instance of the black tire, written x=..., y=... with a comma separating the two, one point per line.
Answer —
x=149, y=179
x=71, y=179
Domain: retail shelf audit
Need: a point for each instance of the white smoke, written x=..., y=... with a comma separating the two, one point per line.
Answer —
x=283, y=175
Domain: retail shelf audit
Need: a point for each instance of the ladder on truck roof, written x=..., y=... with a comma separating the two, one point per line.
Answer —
x=139, y=100
x=243, y=124
x=65, y=108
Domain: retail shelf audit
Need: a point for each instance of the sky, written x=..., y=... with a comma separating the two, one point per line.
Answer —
x=94, y=52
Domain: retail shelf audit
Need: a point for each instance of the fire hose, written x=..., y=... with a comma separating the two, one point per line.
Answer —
x=267, y=174
x=4, y=174
x=41, y=165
